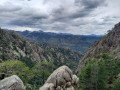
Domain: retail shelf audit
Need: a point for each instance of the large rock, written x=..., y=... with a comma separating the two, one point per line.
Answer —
x=62, y=78
x=12, y=83
x=75, y=81
x=47, y=86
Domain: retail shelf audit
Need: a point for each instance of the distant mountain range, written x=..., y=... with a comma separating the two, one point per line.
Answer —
x=79, y=43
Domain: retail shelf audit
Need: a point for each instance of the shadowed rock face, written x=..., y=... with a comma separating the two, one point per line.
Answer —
x=61, y=78
x=12, y=83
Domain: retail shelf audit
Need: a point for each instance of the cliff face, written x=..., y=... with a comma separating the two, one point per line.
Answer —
x=110, y=43
x=15, y=47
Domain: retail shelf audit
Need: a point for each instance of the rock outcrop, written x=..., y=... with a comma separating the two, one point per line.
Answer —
x=12, y=83
x=62, y=78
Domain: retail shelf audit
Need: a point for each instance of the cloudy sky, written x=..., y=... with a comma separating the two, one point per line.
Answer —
x=60, y=16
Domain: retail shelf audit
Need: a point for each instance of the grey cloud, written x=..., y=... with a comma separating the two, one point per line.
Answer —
x=28, y=21
x=61, y=18
x=9, y=9
x=33, y=17
x=88, y=7
x=91, y=3
x=85, y=7
x=28, y=18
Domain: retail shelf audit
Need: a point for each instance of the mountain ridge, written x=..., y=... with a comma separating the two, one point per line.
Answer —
x=110, y=43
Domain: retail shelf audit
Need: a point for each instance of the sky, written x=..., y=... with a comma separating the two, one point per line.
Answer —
x=83, y=17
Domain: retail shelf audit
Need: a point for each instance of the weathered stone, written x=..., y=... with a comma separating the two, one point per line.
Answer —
x=47, y=86
x=75, y=81
x=70, y=88
x=59, y=88
x=62, y=78
x=12, y=83
x=68, y=84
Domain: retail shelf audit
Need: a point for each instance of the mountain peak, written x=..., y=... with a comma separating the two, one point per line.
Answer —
x=117, y=25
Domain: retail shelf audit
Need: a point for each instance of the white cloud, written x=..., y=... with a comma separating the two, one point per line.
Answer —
x=64, y=16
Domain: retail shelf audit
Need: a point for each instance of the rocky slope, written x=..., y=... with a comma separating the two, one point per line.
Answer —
x=15, y=47
x=75, y=42
x=110, y=44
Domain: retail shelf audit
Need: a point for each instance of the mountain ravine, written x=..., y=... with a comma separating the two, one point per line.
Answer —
x=15, y=47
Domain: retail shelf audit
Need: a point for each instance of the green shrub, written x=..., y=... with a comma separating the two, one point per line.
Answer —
x=117, y=85
x=27, y=61
x=99, y=74
x=16, y=68
x=41, y=71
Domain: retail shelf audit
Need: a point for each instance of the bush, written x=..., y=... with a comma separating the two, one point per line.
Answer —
x=117, y=85
x=16, y=68
x=41, y=71
x=28, y=62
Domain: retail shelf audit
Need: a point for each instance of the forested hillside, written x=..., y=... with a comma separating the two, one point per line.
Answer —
x=99, y=68
x=107, y=44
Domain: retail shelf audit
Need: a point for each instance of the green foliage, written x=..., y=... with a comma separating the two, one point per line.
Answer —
x=4, y=57
x=99, y=74
x=35, y=75
x=62, y=56
x=16, y=68
x=91, y=76
x=41, y=71
x=27, y=61
x=117, y=84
